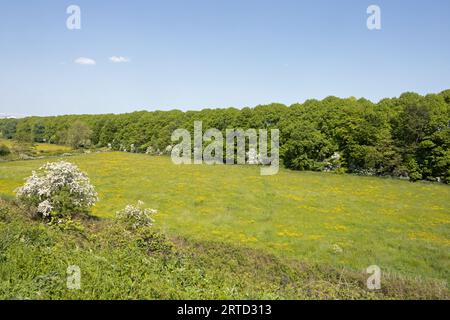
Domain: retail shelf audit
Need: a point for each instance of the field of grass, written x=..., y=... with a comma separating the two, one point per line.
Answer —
x=19, y=150
x=44, y=147
x=47, y=147
x=337, y=220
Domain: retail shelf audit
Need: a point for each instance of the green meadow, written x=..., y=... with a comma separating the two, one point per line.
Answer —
x=38, y=147
x=344, y=221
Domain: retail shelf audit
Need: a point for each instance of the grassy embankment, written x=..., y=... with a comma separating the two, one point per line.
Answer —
x=282, y=228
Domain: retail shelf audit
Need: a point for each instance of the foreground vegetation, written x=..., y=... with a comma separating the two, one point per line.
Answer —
x=342, y=221
x=145, y=264
x=405, y=137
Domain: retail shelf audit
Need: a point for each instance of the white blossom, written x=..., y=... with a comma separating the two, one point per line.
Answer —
x=336, y=156
x=168, y=149
x=45, y=208
x=50, y=180
x=136, y=215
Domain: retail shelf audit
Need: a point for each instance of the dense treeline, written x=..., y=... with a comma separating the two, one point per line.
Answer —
x=407, y=136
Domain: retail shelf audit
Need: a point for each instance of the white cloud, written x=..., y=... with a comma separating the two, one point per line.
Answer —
x=116, y=59
x=85, y=61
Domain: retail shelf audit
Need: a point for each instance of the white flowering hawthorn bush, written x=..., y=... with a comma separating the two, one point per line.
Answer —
x=136, y=216
x=58, y=189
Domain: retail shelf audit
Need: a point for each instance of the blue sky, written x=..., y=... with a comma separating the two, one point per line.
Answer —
x=194, y=54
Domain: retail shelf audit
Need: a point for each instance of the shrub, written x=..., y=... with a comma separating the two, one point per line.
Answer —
x=58, y=189
x=154, y=242
x=136, y=216
x=414, y=171
x=4, y=150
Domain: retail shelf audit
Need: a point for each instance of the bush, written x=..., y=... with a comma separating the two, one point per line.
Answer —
x=4, y=150
x=136, y=216
x=414, y=171
x=154, y=242
x=58, y=189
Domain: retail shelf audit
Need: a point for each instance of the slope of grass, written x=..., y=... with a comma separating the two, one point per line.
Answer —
x=116, y=263
x=336, y=220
